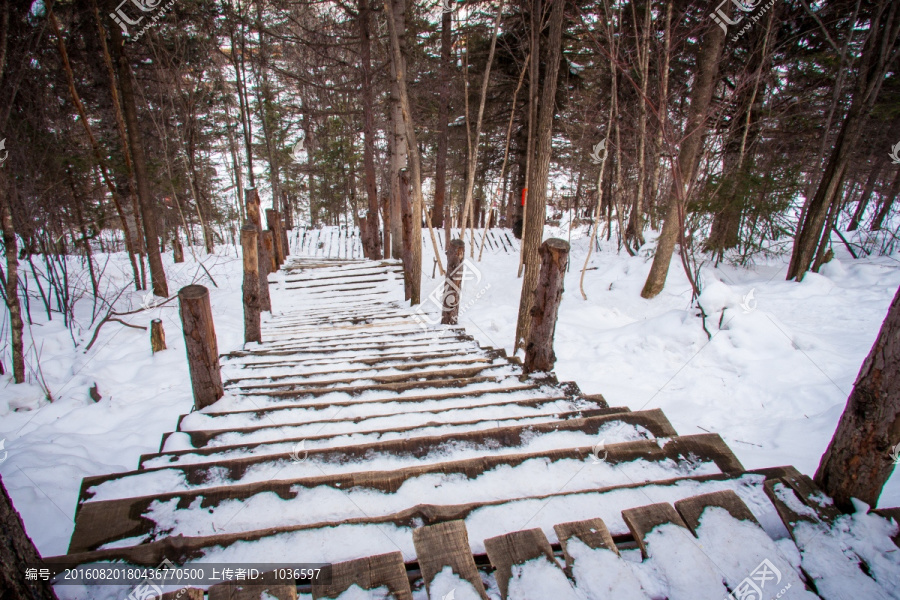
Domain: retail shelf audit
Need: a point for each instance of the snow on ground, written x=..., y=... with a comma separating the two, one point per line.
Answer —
x=773, y=380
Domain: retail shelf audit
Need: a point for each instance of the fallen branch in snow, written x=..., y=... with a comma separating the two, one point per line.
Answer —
x=112, y=315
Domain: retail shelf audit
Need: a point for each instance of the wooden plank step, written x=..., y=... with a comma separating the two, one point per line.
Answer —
x=644, y=519
x=373, y=381
x=395, y=421
x=515, y=549
x=454, y=343
x=414, y=385
x=207, y=509
x=104, y=521
x=483, y=519
x=593, y=533
x=372, y=572
x=660, y=525
x=755, y=564
x=321, y=334
x=427, y=449
x=363, y=370
x=446, y=545
x=368, y=278
x=271, y=412
x=379, y=341
x=318, y=437
x=691, y=509
x=370, y=359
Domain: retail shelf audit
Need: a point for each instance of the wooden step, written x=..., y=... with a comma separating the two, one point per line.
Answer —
x=369, y=573
x=430, y=449
x=446, y=545
x=394, y=421
x=105, y=521
x=317, y=437
x=362, y=370
x=514, y=550
x=402, y=381
x=327, y=542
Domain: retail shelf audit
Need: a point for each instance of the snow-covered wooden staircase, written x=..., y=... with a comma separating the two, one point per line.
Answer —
x=405, y=453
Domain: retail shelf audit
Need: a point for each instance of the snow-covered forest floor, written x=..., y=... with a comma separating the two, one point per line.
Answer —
x=772, y=381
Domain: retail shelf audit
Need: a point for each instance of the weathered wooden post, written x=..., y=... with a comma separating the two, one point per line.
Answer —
x=249, y=235
x=177, y=248
x=253, y=216
x=273, y=220
x=269, y=245
x=539, y=354
x=406, y=221
x=157, y=336
x=456, y=253
x=200, y=345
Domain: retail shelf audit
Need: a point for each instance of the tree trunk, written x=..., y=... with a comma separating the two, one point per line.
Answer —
x=148, y=208
x=372, y=242
x=858, y=461
x=879, y=47
x=415, y=171
x=535, y=208
x=18, y=553
x=886, y=203
x=440, y=160
x=688, y=154
x=868, y=188
x=12, y=284
x=399, y=157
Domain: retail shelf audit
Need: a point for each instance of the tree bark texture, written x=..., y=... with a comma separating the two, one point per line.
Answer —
x=539, y=355
x=858, y=460
x=440, y=159
x=16, y=324
x=18, y=553
x=536, y=200
x=200, y=345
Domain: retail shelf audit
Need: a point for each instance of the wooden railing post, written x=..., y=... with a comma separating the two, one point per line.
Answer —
x=200, y=345
x=456, y=253
x=273, y=220
x=253, y=216
x=406, y=222
x=539, y=354
x=249, y=241
x=269, y=245
x=157, y=336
